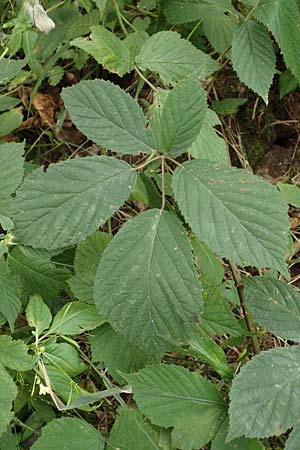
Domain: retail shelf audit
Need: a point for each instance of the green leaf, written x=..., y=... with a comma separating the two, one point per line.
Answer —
x=13, y=354
x=108, y=116
x=184, y=11
x=282, y=18
x=37, y=273
x=265, y=396
x=181, y=118
x=219, y=442
x=116, y=351
x=230, y=209
x=253, y=57
x=131, y=431
x=107, y=49
x=287, y=83
x=174, y=58
x=275, y=306
x=38, y=314
x=7, y=102
x=207, y=262
x=64, y=357
x=208, y=144
x=87, y=257
x=9, y=121
x=153, y=295
x=291, y=193
x=10, y=295
x=134, y=42
x=69, y=433
x=11, y=163
x=171, y=396
x=204, y=348
x=75, y=318
x=8, y=393
x=9, y=68
x=217, y=318
x=219, y=30
x=71, y=200
x=228, y=105
x=293, y=440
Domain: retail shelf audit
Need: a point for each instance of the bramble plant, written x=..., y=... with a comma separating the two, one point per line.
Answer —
x=125, y=276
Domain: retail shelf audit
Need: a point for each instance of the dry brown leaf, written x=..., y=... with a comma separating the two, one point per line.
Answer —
x=44, y=104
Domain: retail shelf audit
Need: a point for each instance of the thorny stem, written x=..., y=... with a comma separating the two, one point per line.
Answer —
x=250, y=326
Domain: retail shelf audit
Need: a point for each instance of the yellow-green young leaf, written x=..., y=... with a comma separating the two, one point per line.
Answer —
x=13, y=354
x=230, y=209
x=75, y=318
x=253, y=57
x=282, y=18
x=8, y=393
x=208, y=144
x=9, y=68
x=265, y=395
x=131, y=431
x=37, y=273
x=87, y=258
x=294, y=438
x=219, y=442
x=10, y=295
x=152, y=253
x=171, y=396
x=38, y=314
x=116, y=352
x=108, y=116
x=107, y=49
x=181, y=118
x=69, y=433
x=274, y=305
x=71, y=200
x=184, y=11
x=65, y=357
x=174, y=59
x=9, y=121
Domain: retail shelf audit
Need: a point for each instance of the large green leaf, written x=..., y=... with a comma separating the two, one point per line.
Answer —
x=75, y=318
x=131, y=431
x=107, y=49
x=219, y=30
x=274, y=305
x=108, y=116
x=11, y=163
x=253, y=57
x=172, y=396
x=282, y=18
x=265, y=396
x=36, y=272
x=38, y=314
x=294, y=438
x=116, y=352
x=8, y=393
x=174, y=58
x=208, y=145
x=230, y=209
x=69, y=433
x=87, y=258
x=183, y=11
x=181, y=118
x=65, y=357
x=219, y=442
x=71, y=200
x=13, y=354
x=10, y=295
x=152, y=295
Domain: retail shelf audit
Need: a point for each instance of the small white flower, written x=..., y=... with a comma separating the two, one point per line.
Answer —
x=38, y=16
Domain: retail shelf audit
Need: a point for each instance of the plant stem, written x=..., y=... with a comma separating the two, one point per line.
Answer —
x=194, y=29
x=252, y=10
x=145, y=79
x=250, y=326
x=116, y=5
x=148, y=161
x=163, y=190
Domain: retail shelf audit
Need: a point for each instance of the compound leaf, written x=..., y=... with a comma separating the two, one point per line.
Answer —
x=108, y=116
x=71, y=200
x=174, y=58
x=265, y=395
x=152, y=295
x=253, y=57
x=171, y=396
x=230, y=209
